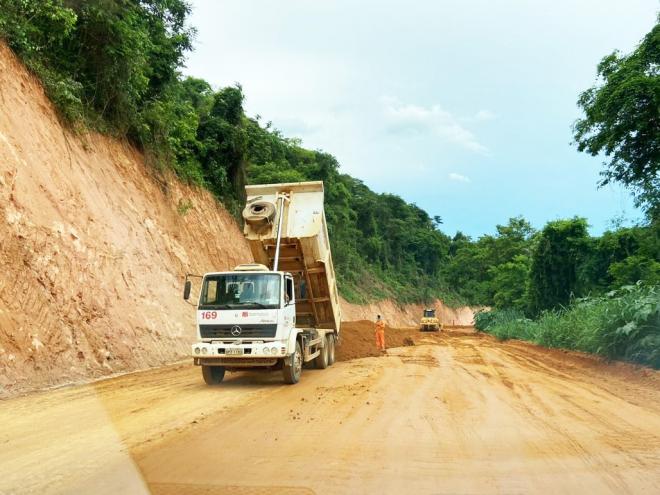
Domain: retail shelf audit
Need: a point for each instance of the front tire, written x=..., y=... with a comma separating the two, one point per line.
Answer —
x=292, y=372
x=213, y=375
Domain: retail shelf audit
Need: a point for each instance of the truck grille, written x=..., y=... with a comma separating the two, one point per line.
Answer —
x=247, y=331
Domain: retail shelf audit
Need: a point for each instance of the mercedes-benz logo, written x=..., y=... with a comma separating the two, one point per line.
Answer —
x=236, y=330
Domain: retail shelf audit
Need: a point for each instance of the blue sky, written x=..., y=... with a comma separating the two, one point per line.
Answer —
x=462, y=107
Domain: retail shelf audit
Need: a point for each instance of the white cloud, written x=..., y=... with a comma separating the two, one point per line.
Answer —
x=458, y=177
x=417, y=119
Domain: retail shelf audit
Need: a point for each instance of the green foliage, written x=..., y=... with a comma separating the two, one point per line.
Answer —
x=509, y=282
x=38, y=30
x=505, y=318
x=622, y=119
x=492, y=270
x=558, y=254
x=224, y=146
x=105, y=61
x=635, y=268
x=114, y=65
x=168, y=131
x=531, y=272
x=623, y=324
x=184, y=207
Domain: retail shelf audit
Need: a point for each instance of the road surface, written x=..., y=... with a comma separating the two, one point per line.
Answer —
x=455, y=414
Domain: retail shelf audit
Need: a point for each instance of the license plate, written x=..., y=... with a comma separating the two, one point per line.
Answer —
x=236, y=351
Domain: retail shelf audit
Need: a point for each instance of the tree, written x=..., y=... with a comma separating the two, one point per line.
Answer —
x=622, y=120
x=633, y=269
x=510, y=283
x=559, y=252
x=225, y=145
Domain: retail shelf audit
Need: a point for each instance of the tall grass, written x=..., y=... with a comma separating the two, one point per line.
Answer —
x=624, y=324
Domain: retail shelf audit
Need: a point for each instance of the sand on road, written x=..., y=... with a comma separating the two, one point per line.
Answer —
x=456, y=413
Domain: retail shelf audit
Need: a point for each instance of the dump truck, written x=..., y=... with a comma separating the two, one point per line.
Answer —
x=281, y=311
x=429, y=322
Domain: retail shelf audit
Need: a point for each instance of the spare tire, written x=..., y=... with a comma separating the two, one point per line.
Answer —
x=259, y=213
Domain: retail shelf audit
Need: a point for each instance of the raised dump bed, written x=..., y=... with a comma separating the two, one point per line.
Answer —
x=304, y=250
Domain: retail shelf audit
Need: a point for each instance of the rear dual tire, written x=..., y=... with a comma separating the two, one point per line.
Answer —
x=321, y=361
x=327, y=356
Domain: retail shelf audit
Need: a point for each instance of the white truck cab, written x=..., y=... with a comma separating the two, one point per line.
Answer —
x=257, y=318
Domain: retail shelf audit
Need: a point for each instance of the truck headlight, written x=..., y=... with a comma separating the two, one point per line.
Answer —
x=196, y=350
x=273, y=350
x=204, y=350
x=266, y=350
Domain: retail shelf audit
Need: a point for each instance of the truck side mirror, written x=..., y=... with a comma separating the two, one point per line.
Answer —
x=186, y=290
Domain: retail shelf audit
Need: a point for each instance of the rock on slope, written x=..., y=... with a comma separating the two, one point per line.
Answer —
x=93, y=247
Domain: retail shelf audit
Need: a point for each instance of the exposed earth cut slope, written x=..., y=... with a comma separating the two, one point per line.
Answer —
x=93, y=246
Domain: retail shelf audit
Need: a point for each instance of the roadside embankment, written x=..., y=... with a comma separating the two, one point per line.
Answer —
x=93, y=245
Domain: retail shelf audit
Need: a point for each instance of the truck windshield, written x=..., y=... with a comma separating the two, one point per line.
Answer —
x=241, y=290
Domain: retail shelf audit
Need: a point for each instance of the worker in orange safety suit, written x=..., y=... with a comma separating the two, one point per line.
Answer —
x=380, y=334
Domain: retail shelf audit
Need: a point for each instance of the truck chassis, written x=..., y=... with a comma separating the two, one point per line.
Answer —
x=311, y=345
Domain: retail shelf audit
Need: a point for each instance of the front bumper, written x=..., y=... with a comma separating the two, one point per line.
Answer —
x=237, y=351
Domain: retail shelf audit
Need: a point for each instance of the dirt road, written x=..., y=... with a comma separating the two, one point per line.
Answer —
x=459, y=414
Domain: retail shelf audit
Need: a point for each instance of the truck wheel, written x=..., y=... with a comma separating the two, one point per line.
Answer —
x=213, y=375
x=321, y=361
x=293, y=371
x=331, y=349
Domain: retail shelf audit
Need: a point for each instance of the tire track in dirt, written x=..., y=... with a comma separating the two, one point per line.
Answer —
x=458, y=414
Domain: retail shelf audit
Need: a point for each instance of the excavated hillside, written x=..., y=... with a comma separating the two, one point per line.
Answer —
x=94, y=244
x=408, y=315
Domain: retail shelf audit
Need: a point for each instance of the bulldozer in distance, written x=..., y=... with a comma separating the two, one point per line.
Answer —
x=430, y=322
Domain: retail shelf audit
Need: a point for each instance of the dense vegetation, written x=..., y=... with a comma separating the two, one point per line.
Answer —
x=621, y=121
x=622, y=324
x=531, y=271
x=113, y=65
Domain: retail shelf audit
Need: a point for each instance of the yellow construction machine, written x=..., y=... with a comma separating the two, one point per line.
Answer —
x=429, y=322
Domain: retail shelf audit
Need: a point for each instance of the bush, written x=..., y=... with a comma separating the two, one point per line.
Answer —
x=623, y=324
x=503, y=323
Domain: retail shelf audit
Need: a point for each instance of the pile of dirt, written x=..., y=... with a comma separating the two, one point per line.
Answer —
x=358, y=340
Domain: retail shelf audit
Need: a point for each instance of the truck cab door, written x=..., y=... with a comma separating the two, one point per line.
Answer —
x=289, y=303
